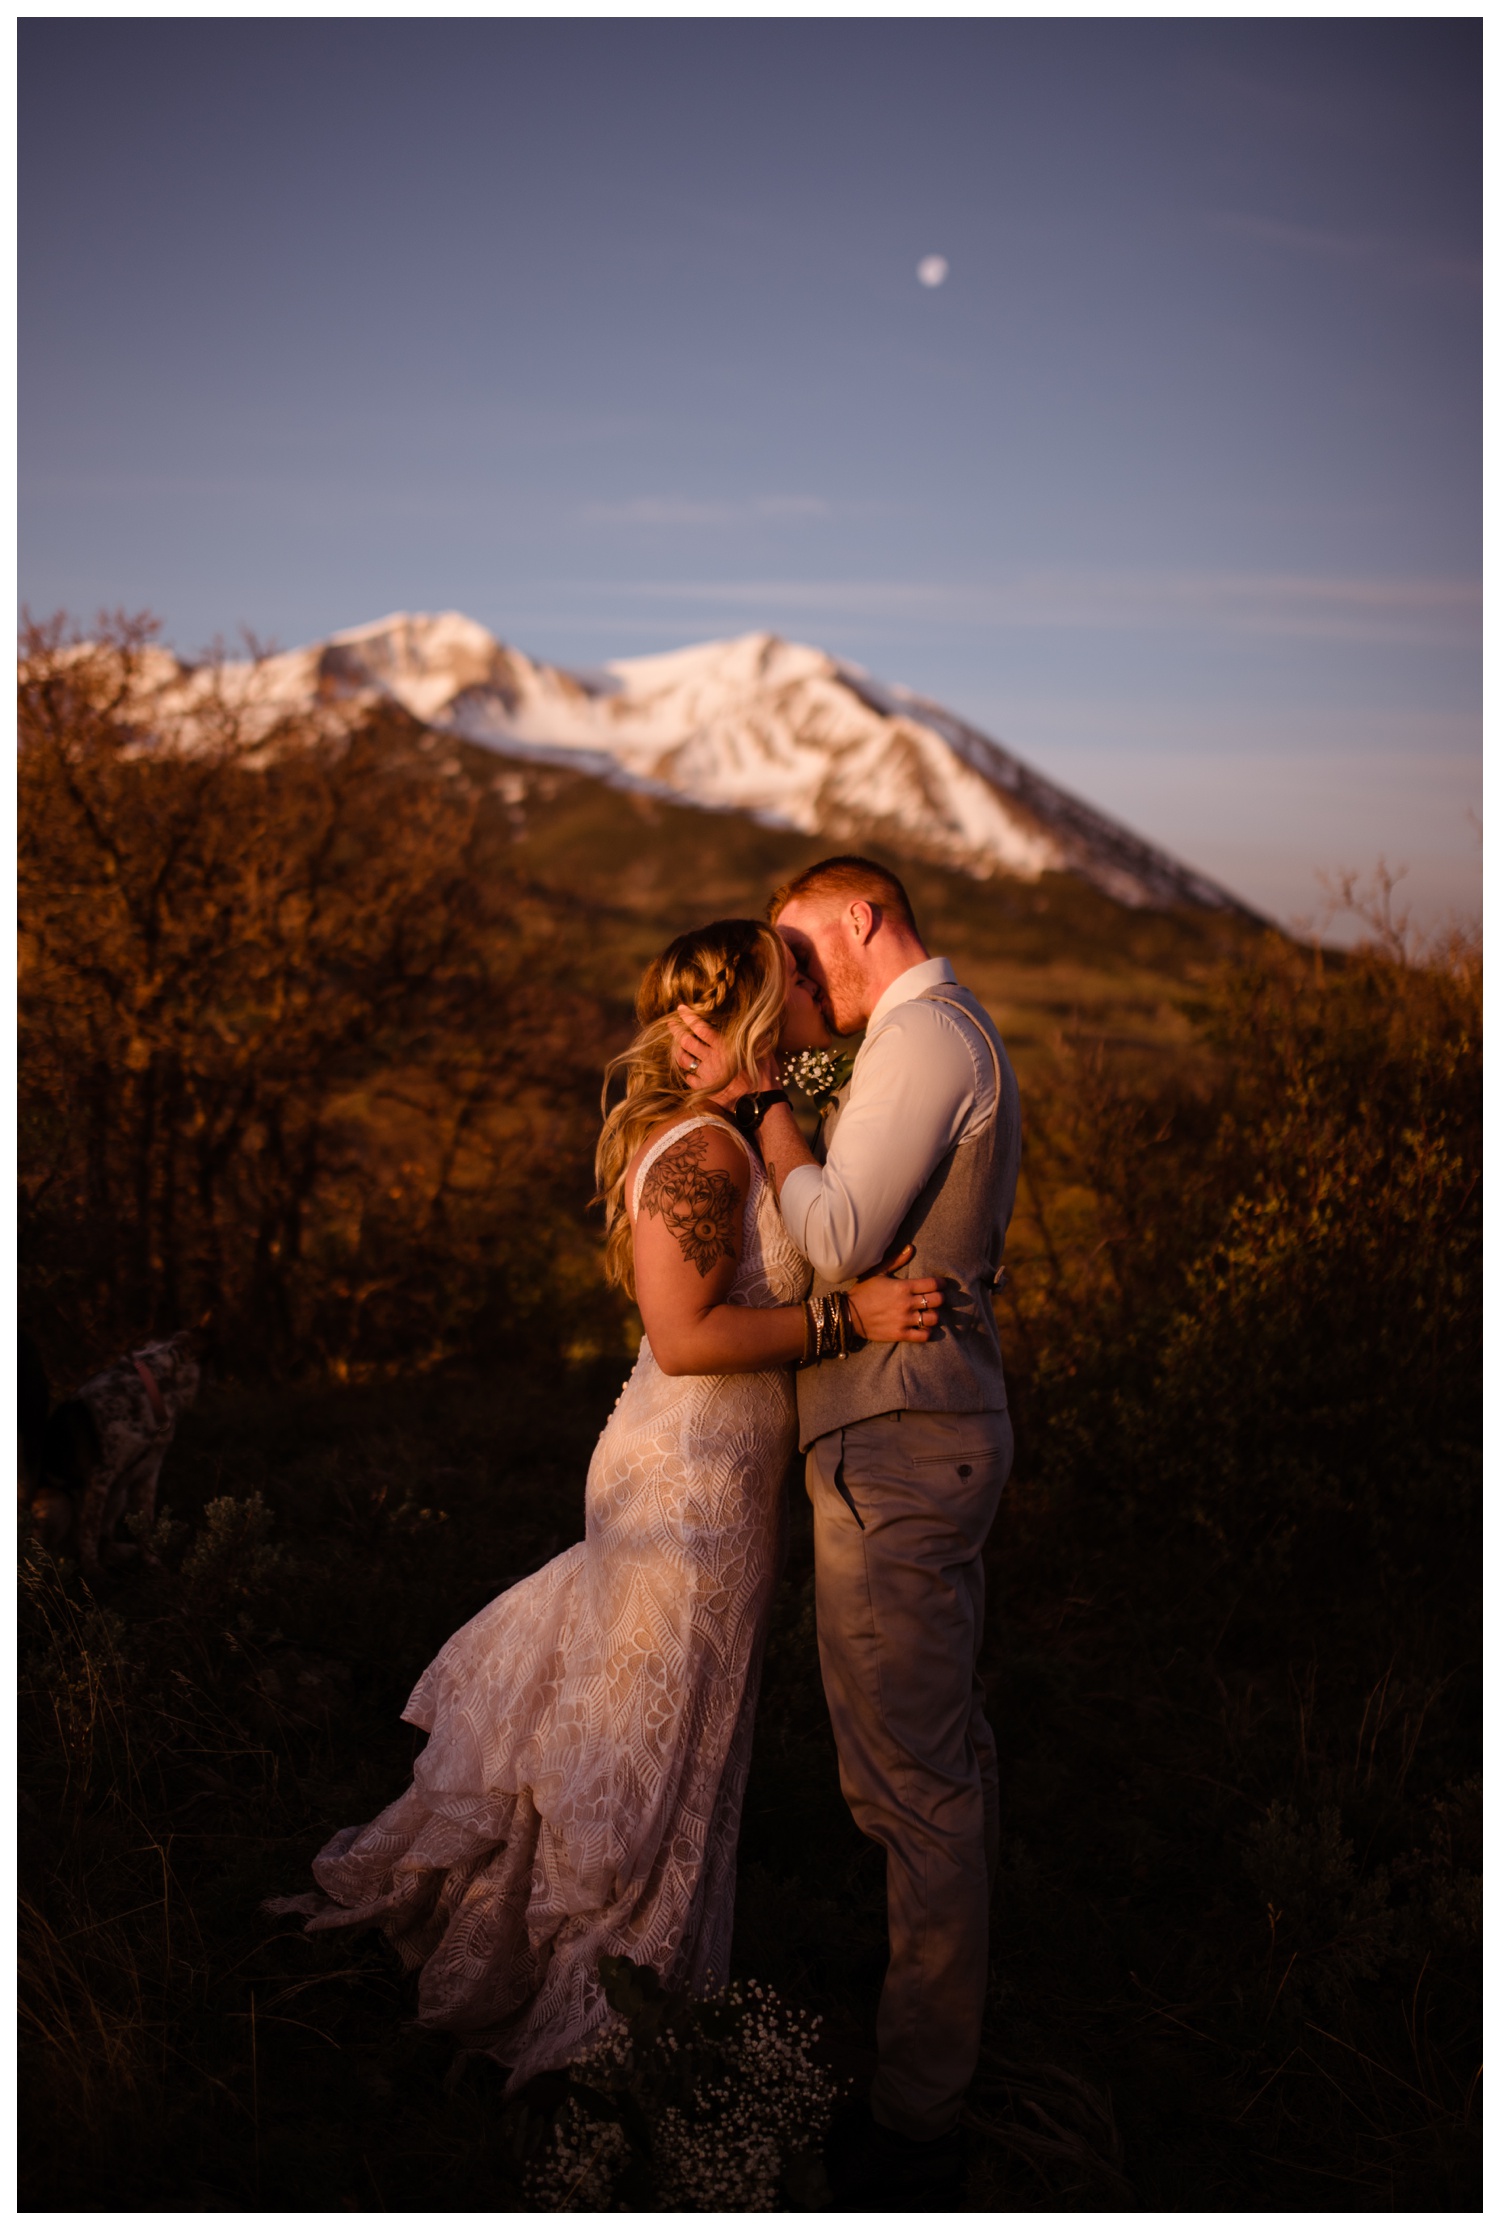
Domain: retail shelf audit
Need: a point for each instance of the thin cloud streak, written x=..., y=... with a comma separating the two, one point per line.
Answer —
x=1405, y=261
x=1440, y=612
x=675, y=511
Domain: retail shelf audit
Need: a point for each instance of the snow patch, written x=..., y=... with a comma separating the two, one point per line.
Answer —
x=755, y=724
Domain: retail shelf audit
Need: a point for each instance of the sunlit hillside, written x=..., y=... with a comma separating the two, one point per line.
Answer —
x=1050, y=955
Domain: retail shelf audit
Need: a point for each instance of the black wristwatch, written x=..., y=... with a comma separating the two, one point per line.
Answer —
x=750, y=1110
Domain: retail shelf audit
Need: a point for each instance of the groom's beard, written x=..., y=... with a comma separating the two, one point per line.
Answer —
x=844, y=995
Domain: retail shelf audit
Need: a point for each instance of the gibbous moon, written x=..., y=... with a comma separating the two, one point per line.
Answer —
x=932, y=270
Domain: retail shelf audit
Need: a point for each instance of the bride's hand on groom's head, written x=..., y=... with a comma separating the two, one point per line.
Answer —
x=700, y=1056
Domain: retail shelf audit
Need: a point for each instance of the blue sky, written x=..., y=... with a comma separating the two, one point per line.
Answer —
x=609, y=334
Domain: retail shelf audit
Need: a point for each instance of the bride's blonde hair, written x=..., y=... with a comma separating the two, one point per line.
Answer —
x=733, y=973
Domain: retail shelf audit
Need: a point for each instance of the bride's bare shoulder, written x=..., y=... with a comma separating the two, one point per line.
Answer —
x=710, y=1144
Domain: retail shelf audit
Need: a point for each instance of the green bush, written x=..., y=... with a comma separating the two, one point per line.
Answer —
x=1276, y=1336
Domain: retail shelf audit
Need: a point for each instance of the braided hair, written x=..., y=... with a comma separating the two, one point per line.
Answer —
x=733, y=974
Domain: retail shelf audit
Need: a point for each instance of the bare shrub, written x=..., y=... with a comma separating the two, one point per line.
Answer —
x=293, y=1048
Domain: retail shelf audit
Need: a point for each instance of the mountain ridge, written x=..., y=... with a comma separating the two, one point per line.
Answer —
x=781, y=730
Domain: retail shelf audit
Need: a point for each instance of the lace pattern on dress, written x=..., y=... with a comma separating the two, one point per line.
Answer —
x=589, y=1731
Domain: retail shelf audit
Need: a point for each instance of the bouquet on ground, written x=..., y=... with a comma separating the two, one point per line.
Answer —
x=682, y=2106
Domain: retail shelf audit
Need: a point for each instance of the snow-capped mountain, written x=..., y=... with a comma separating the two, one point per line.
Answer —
x=759, y=725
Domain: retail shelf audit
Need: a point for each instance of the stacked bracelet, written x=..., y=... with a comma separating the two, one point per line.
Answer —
x=828, y=1328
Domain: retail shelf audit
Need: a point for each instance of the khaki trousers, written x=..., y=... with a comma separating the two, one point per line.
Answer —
x=902, y=1505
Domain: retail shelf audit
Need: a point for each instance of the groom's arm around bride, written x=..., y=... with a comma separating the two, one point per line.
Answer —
x=908, y=1449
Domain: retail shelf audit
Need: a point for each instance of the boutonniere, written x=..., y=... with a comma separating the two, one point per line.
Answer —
x=822, y=1076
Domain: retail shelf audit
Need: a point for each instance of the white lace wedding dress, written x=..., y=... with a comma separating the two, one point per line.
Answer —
x=589, y=1732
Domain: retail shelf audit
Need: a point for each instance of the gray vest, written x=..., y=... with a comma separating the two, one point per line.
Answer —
x=958, y=1223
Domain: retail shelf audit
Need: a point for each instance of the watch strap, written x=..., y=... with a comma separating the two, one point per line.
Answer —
x=751, y=1107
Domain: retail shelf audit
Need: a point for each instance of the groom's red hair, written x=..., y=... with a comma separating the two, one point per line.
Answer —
x=844, y=877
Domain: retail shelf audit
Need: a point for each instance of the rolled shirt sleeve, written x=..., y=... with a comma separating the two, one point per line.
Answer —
x=915, y=1090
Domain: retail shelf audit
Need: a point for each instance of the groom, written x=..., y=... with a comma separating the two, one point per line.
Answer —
x=908, y=1448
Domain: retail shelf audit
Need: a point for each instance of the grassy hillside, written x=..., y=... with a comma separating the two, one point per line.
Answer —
x=1045, y=956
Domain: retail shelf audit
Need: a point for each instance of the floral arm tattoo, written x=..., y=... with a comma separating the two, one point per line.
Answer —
x=700, y=1207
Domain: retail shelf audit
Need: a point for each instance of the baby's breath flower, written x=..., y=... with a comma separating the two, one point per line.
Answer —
x=819, y=1074
x=758, y=2097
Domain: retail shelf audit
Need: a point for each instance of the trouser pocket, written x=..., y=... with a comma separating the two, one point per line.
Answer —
x=842, y=1484
x=968, y=1453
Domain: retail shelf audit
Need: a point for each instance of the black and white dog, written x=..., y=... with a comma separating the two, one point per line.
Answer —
x=101, y=1451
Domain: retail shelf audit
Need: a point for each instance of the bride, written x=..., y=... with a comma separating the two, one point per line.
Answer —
x=589, y=1731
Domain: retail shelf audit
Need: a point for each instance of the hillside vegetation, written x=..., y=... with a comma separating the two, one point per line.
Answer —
x=311, y=1036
